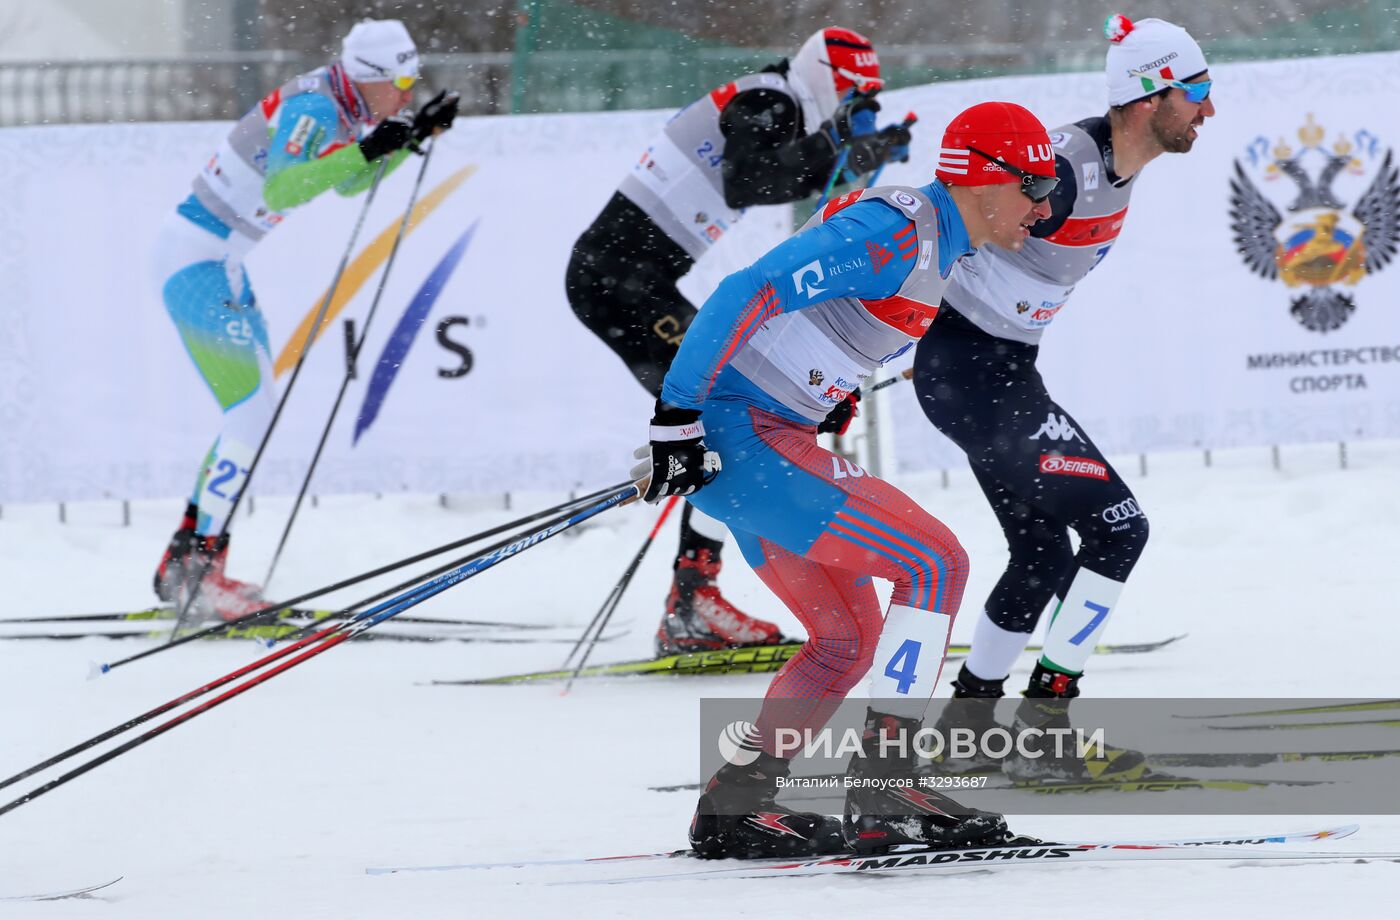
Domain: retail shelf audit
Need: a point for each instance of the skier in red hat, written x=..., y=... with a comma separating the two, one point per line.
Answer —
x=774, y=349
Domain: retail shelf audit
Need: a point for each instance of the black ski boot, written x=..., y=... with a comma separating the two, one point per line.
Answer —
x=973, y=708
x=682, y=632
x=886, y=805
x=1046, y=707
x=170, y=574
x=737, y=817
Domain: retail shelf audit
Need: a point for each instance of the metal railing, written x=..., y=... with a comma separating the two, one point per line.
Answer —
x=224, y=86
x=207, y=86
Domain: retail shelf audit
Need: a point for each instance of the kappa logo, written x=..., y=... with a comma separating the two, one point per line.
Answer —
x=799, y=279
x=879, y=255
x=1153, y=65
x=1057, y=428
x=1311, y=241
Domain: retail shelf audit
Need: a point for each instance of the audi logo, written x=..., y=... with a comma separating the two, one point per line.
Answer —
x=1128, y=508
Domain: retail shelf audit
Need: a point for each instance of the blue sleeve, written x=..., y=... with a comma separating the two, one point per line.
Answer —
x=854, y=253
x=307, y=121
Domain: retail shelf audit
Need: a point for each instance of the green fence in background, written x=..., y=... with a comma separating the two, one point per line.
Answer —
x=571, y=58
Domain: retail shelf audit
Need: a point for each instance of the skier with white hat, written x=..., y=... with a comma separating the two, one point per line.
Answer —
x=977, y=382
x=332, y=128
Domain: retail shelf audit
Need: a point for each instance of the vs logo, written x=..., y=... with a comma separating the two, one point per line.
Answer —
x=445, y=326
x=391, y=359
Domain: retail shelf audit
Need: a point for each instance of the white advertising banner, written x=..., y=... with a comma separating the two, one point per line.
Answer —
x=476, y=376
x=1179, y=339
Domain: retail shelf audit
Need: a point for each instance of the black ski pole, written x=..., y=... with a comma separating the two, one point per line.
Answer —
x=614, y=598
x=272, y=610
x=615, y=595
x=301, y=639
x=311, y=646
x=609, y=607
x=311, y=334
x=906, y=374
x=394, y=589
x=354, y=357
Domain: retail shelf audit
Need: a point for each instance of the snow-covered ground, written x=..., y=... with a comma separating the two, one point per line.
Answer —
x=275, y=803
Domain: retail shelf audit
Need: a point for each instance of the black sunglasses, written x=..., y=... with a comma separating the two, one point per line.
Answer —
x=1036, y=188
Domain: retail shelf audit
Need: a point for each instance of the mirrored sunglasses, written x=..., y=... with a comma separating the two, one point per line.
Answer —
x=1036, y=188
x=1195, y=92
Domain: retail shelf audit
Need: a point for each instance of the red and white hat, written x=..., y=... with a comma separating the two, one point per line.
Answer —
x=1003, y=130
x=830, y=63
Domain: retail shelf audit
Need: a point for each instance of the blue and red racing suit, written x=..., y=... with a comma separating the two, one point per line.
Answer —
x=774, y=348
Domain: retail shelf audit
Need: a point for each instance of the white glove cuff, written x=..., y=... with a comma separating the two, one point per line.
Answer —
x=687, y=432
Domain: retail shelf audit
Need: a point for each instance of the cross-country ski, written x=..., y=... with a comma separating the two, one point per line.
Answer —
x=61, y=895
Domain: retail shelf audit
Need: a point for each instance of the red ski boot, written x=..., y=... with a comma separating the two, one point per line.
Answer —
x=218, y=596
x=710, y=621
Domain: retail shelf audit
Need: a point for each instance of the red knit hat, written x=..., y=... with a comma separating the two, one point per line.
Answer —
x=1003, y=130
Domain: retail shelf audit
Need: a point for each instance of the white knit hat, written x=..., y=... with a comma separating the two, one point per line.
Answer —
x=377, y=50
x=1145, y=49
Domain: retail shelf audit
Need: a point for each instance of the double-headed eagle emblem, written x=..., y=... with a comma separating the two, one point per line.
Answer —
x=1318, y=246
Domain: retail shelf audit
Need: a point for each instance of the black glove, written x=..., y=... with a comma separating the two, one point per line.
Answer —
x=875, y=150
x=676, y=461
x=853, y=118
x=393, y=133
x=436, y=115
x=839, y=418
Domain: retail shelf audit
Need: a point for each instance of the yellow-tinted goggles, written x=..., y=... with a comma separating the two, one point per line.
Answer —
x=405, y=82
